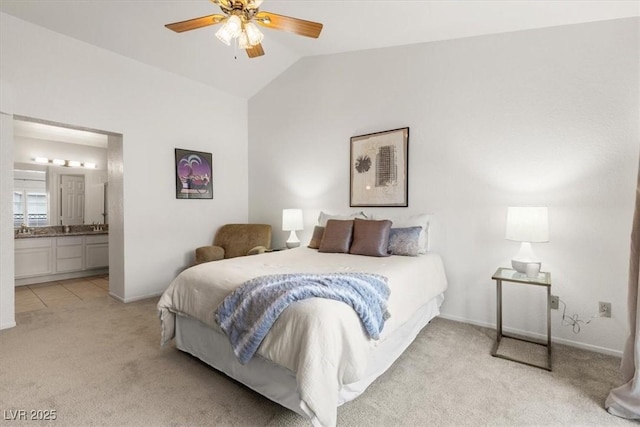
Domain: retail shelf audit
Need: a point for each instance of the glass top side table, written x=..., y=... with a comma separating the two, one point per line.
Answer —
x=509, y=275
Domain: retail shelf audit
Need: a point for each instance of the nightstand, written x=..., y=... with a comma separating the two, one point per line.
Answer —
x=508, y=275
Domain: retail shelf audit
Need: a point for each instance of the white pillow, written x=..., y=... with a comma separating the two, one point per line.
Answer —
x=421, y=220
x=324, y=217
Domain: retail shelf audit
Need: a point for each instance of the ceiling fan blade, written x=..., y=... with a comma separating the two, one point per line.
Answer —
x=286, y=23
x=192, y=24
x=255, y=51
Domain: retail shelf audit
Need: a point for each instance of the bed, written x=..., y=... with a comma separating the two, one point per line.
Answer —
x=317, y=355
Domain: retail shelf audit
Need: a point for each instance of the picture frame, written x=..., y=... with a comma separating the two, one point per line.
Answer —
x=379, y=169
x=194, y=174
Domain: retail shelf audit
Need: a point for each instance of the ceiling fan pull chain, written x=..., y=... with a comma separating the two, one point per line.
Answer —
x=235, y=49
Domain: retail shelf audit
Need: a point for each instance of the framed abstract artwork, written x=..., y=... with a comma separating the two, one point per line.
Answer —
x=194, y=174
x=379, y=169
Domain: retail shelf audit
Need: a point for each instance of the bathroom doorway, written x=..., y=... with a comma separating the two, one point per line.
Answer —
x=76, y=152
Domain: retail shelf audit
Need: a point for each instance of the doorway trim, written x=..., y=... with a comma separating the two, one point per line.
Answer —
x=115, y=171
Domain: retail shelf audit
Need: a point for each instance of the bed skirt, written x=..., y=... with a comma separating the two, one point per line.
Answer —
x=278, y=383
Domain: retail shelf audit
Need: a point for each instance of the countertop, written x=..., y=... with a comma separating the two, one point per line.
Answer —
x=57, y=231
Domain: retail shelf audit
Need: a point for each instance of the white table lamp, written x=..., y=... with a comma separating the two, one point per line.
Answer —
x=292, y=221
x=527, y=225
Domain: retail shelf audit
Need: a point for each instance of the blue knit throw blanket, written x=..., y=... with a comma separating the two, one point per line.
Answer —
x=247, y=314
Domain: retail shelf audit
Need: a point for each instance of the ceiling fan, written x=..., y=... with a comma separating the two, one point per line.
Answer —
x=239, y=19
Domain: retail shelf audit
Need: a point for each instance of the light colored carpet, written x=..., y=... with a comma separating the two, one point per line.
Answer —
x=98, y=362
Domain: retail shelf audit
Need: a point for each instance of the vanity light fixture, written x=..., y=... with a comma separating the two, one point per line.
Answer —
x=66, y=163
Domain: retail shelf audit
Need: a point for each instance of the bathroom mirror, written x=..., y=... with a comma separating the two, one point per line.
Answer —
x=45, y=196
x=30, y=199
x=51, y=160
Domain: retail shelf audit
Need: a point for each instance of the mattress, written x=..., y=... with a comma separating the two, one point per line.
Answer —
x=278, y=383
x=321, y=342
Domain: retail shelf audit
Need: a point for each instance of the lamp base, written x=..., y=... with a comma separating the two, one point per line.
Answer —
x=523, y=257
x=292, y=241
x=521, y=266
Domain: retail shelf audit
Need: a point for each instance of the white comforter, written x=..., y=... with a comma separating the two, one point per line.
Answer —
x=322, y=341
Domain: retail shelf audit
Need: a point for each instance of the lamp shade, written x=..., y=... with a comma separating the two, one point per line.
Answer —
x=527, y=224
x=231, y=29
x=224, y=35
x=292, y=219
x=253, y=33
x=243, y=41
x=234, y=25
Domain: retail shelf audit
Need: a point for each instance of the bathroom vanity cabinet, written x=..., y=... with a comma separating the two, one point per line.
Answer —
x=44, y=259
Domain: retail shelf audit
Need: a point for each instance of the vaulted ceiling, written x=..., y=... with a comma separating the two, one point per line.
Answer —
x=135, y=29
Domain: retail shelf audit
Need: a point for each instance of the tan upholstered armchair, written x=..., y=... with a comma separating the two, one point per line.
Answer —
x=233, y=240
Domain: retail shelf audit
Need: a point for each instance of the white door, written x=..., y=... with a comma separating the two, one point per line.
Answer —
x=72, y=199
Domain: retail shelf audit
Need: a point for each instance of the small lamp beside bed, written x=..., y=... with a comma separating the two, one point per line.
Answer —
x=527, y=225
x=292, y=221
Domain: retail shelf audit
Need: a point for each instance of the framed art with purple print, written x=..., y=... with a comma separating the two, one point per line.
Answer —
x=194, y=174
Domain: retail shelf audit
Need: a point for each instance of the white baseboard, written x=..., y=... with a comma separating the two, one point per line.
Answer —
x=538, y=336
x=116, y=297
x=138, y=298
x=7, y=325
x=60, y=276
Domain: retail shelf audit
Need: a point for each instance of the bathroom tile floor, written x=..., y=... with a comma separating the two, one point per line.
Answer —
x=60, y=292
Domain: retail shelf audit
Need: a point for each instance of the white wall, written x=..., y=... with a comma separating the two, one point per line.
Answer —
x=7, y=295
x=544, y=117
x=63, y=80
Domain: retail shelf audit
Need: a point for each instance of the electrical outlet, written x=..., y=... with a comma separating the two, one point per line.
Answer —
x=604, y=309
x=555, y=302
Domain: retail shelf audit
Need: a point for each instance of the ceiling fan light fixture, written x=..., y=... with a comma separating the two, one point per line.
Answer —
x=243, y=41
x=234, y=25
x=224, y=35
x=230, y=30
x=253, y=33
x=238, y=21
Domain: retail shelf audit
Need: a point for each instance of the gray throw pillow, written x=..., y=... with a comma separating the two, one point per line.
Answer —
x=316, y=238
x=337, y=236
x=370, y=237
x=404, y=241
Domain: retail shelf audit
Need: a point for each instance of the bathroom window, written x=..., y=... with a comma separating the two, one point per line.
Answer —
x=18, y=208
x=29, y=208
